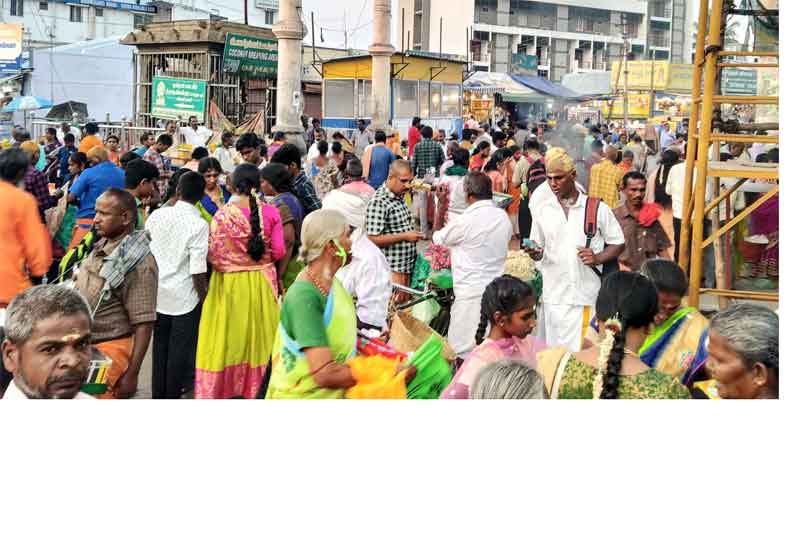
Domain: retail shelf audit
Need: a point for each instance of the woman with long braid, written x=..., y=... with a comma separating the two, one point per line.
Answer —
x=507, y=315
x=625, y=310
x=240, y=314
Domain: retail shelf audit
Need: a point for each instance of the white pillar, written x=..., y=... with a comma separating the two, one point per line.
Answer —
x=381, y=51
x=289, y=103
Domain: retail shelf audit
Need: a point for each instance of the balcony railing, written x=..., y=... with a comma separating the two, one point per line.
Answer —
x=661, y=10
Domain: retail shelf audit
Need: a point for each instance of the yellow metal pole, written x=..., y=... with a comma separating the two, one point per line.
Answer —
x=697, y=78
x=709, y=84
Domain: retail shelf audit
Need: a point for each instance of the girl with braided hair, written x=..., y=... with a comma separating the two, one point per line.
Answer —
x=625, y=310
x=240, y=314
x=507, y=316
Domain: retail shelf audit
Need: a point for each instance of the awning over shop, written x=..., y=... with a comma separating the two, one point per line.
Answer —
x=501, y=83
x=588, y=83
x=547, y=88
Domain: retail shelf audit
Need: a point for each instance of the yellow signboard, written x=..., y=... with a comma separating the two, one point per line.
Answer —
x=675, y=78
x=681, y=76
x=639, y=106
x=640, y=72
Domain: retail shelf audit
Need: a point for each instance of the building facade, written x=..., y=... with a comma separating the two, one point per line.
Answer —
x=59, y=22
x=565, y=36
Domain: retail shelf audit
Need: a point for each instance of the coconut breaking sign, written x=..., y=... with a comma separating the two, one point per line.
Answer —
x=251, y=57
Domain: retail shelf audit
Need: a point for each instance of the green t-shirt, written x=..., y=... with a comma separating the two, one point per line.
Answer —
x=302, y=315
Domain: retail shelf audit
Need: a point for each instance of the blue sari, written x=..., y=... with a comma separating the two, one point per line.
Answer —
x=207, y=207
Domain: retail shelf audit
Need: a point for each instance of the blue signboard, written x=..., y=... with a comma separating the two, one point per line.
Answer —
x=139, y=8
x=524, y=65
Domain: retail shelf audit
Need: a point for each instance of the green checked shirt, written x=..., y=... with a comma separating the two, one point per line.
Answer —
x=427, y=154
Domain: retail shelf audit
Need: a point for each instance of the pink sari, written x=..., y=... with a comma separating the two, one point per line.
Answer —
x=490, y=351
x=229, y=234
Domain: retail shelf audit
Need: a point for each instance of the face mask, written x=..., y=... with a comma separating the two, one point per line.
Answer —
x=341, y=252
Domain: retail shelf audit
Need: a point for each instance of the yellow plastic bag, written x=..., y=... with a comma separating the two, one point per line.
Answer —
x=376, y=378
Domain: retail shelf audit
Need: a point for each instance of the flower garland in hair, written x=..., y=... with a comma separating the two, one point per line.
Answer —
x=611, y=328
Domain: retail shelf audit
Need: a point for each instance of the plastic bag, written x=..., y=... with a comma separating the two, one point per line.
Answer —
x=433, y=373
x=421, y=271
x=426, y=310
x=376, y=378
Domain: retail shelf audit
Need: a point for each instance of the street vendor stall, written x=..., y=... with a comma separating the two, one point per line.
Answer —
x=426, y=85
x=485, y=91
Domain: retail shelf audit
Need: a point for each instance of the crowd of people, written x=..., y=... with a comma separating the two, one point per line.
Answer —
x=254, y=271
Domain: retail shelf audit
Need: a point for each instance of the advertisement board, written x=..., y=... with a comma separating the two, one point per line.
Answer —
x=10, y=48
x=174, y=98
x=251, y=57
x=524, y=65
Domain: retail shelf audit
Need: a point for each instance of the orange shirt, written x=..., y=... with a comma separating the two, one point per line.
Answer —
x=24, y=242
x=89, y=142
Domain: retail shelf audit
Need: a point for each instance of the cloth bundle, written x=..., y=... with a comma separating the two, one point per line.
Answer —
x=376, y=378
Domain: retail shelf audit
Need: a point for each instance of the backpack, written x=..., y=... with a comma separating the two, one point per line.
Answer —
x=590, y=229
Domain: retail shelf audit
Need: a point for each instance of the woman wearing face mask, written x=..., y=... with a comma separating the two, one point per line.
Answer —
x=318, y=317
x=239, y=319
x=508, y=307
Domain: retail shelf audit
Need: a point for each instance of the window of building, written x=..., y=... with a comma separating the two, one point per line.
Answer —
x=450, y=105
x=17, y=9
x=44, y=6
x=76, y=14
x=364, y=98
x=100, y=12
x=140, y=20
x=405, y=101
x=339, y=96
x=270, y=17
x=424, y=99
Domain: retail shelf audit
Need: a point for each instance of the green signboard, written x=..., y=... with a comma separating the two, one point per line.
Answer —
x=174, y=98
x=524, y=64
x=250, y=57
x=737, y=81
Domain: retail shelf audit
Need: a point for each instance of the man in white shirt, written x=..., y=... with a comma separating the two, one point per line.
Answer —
x=226, y=154
x=180, y=241
x=566, y=262
x=194, y=134
x=47, y=346
x=368, y=276
x=362, y=139
x=67, y=128
x=478, y=241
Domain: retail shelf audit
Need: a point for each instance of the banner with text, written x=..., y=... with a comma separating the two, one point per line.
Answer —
x=174, y=98
x=251, y=57
x=10, y=48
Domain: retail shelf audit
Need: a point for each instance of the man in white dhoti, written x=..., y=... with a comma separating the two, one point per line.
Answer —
x=570, y=268
x=478, y=241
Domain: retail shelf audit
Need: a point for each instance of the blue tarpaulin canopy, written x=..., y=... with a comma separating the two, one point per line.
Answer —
x=549, y=88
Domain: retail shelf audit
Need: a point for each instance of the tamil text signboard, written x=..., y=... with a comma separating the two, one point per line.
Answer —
x=174, y=98
x=250, y=57
x=10, y=48
x=737, y=81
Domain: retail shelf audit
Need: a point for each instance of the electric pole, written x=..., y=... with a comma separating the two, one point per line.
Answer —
x=625, y=34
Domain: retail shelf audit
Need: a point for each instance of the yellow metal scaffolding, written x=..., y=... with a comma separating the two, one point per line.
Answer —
x=700, y=168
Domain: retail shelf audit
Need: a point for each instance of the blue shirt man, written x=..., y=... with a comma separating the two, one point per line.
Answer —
x=377, y=160
x=94, y=181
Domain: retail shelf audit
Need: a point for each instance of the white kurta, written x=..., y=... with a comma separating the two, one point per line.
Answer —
x=568, y=285
x=478, y=241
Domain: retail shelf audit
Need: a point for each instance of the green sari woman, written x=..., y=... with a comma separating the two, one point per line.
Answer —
x=317, y=331
x=311, y=320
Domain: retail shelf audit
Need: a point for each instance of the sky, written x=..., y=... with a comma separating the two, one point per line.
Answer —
x=333, y=16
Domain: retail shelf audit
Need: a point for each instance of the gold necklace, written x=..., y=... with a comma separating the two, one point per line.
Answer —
x=316, y=282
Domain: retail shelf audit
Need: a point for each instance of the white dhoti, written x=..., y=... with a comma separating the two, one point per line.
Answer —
x=563, y=325
x=463, y=322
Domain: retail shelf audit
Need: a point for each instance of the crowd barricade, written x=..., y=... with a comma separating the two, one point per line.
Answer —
x=129, y=136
